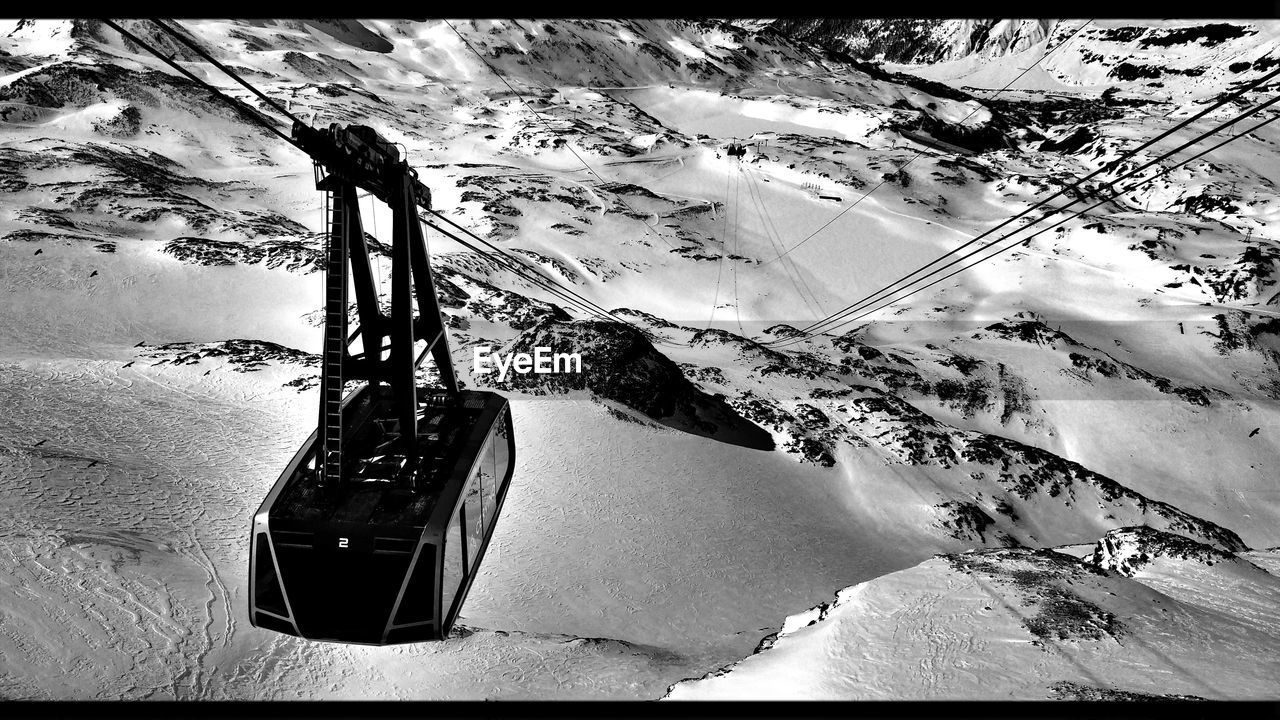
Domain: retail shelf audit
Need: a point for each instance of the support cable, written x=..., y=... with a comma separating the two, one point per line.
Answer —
x=1072, y=188
x=921, y=152
x=1114, y=193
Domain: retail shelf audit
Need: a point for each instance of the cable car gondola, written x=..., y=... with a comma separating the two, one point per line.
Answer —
x=374, y=531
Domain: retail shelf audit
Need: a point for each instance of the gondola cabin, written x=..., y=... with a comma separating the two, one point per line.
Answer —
x=375, y=530
x=378, y=561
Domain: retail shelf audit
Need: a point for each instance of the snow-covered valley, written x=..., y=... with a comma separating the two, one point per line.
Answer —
x=1055, y=469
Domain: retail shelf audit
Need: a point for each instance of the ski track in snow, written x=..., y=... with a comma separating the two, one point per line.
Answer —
x=159, y=502
x=155, y=538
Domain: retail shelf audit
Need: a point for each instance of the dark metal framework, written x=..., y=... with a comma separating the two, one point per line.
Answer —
x=738, y=149
x=374, y=531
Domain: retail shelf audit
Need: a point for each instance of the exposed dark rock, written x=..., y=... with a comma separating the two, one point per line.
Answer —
x=619, y=364
x=123, y=124
x=1205, y=203
x=1207, y=35
x=294, y=255
x=1067, y=690
x=1021, y=471
x=1128, y=71
x=36, y=236
x=1127, y=550
x=1071, y=143
x=81, y=85
x=241, y=355
x=1252, y=273
x=487, y=301
x=1029, y=331
x=142, y=186
x=1108, y=366
x=767, y=361
x=1042, y=581
x=965, y=520
x=1051, y=112
x=564, y=270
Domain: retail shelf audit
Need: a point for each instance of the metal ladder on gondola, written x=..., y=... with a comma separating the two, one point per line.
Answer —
x=335, y=342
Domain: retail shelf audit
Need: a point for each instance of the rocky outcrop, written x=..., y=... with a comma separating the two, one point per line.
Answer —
x=620, y=364
x=294, y=255
x=1128, y=550
x=1041, y=581
x=915, y=40
x=242, y=356
x=135, y=185
x=1088, y=362
x=1035, y=484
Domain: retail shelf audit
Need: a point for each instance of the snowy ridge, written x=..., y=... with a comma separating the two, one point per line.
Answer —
x=1053, y=624
x=920, y=41
x=1128, y=550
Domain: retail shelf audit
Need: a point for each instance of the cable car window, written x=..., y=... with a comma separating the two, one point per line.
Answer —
x=488, y=482
x=501, y=453
x=475, y=523
x=473, y=495
x=270, y=596
x=453, y=563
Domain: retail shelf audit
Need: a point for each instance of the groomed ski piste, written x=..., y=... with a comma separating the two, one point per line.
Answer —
x=1049, y=476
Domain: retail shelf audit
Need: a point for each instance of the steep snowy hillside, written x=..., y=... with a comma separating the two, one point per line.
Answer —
x=1186, y=621
x=1171, y=57
x=1095, y=52
x=1114, y=381
x=921, y=41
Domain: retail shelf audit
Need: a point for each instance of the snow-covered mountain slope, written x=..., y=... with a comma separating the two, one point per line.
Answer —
x=160, y=310
x=923, y=41
x=1170, y=57
x=1160, y=56
x=1187, y=621
x=124, y=555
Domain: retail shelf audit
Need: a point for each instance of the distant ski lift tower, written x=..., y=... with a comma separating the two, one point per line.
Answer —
x=375, y=530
